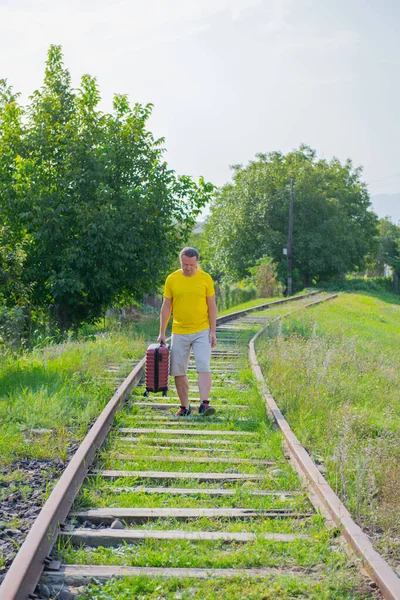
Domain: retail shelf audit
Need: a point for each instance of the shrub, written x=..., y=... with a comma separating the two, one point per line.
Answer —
x=264, y=278
x=229, y=294
x=358, y=284
x=12, y=323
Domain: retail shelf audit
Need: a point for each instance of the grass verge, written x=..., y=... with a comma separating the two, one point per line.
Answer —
x=335, y=373
x=61, y=388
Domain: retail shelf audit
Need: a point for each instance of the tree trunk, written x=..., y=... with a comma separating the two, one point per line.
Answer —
x=63, y=317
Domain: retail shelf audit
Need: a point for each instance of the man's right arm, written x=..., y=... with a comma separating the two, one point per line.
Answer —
x=164, y=318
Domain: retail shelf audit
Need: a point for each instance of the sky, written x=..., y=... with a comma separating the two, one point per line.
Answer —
x=230, y=78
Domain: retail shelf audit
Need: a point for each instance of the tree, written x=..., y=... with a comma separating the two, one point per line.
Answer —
x=264, y=277
x=333, y=225
x=103, y=213
x=389, y=248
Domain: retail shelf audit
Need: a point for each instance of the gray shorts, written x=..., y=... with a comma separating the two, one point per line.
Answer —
x=180, y=352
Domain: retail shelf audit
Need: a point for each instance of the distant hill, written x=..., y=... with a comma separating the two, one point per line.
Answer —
x=387, y=205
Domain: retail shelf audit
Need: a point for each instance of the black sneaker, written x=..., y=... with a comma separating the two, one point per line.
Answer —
x=205, y=409
x=183, y=411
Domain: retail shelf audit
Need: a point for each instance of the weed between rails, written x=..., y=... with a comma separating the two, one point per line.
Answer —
x=242, y=498
x=339, y=586
x=311, y=554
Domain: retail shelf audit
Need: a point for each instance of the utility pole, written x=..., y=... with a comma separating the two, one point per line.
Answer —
x=290, y=240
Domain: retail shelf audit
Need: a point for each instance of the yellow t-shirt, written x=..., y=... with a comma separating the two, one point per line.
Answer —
x=189, y=300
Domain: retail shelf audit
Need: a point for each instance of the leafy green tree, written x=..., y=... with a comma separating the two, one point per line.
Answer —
x=389, y=248
x=13, y=292
x=103, y=213
x=333, y=225
x=11, y=148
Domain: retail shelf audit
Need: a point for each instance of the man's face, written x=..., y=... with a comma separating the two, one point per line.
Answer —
x=189, y=265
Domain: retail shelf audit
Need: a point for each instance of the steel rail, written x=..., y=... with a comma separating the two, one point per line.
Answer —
x=332, y=507
x=240, y=313
x=26, y=568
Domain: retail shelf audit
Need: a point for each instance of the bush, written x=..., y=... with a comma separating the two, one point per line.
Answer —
x=229, y=295
x=262, y=283
x=264, y=277
x=12, y=323
x=358, y=284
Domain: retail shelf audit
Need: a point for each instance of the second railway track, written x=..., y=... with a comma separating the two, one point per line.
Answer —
x=180, y=501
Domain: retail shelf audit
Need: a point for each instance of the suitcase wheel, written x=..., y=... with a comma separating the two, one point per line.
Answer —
x=146, y=393
x=165, y=393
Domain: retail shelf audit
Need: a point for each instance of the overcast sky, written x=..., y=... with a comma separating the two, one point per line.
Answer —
x=230, y=78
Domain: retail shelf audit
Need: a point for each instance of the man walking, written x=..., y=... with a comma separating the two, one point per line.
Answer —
x=189, y=293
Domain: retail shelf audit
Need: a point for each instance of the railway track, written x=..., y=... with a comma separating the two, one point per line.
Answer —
x=185, y=501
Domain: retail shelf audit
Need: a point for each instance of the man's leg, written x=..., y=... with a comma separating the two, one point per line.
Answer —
x=180, y=353
x=202, y=354
x=204, y=383
x=182, y=387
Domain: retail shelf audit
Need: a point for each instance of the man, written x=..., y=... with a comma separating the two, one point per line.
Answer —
x=189, y=293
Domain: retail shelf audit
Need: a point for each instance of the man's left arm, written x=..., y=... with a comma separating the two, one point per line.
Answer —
x=212, y=315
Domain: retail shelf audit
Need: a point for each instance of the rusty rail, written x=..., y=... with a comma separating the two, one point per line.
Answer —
x=332, y=507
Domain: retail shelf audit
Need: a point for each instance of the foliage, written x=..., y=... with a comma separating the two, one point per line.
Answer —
x=12, y=324
x=14, y=294
x=264, y=277
x=358, y=284
x=389, y=248
x=262, y=283
x=102, y=212
x=335, y=587
x=63, y=386
x=12, y=258
x=389, y=243
x=333, y=226
x=229, y=295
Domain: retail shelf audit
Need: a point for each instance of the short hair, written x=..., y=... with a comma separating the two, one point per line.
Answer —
x=190, y=252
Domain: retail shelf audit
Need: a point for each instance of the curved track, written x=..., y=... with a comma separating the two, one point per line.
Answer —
x=221, y=489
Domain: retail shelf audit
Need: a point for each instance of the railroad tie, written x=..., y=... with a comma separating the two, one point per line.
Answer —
x=143, y=515
x=115, y=537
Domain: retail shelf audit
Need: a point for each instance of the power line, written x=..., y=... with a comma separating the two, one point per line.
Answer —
x=387, y=177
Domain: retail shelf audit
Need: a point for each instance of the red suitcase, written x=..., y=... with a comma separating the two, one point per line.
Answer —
x=157, y=369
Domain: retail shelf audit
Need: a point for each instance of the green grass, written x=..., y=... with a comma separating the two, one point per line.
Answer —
x=316, y=552
x=62, y=388
x=103, y=496
x=335, y=373
x=313, y=526
x=336, y=587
